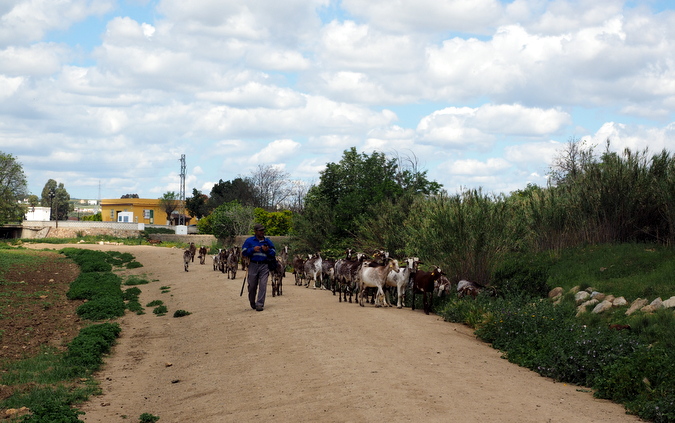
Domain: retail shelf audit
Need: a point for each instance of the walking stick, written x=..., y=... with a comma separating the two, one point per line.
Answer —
x=242, y=284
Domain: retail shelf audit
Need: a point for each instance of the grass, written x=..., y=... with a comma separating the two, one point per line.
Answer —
x=615, y=268
x=52, y=382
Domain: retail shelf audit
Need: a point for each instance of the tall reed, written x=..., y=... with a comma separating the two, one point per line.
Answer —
x=467, y=234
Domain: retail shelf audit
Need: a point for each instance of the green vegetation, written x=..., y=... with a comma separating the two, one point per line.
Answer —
x=12, y=189
x=633, y=367
x=148, y=418
x=181, y=313
x=160, y=310
x=51, y=383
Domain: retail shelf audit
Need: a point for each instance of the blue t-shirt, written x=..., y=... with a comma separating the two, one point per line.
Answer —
x=250, y=243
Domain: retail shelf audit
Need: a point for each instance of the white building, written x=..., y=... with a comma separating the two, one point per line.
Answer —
x=37, y=213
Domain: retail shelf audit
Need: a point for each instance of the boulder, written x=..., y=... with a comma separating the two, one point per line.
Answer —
x=556, y=292
x=581, y=296
x=618, y=302
x=657, y=303
x=574, y=289
x=636, y=305
x=602, y=307
x=598, y=295
x=669, y=303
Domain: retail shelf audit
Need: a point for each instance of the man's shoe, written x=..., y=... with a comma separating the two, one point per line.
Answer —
x=253, y=305
x=258, y=309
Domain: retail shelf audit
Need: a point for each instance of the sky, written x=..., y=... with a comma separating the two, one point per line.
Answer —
x=105, y=96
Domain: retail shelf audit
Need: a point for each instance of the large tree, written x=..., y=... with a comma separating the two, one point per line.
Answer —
x=169, y=202
x=55, y=196
x=239, y=189
x=13, y=188
x=349, y=194
x=231, y=219
x=197, y=205
x=271, y=186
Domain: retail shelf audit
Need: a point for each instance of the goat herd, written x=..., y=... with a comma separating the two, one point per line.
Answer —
x=355, y=275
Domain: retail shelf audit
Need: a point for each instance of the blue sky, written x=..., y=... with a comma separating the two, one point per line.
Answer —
x=483, y=93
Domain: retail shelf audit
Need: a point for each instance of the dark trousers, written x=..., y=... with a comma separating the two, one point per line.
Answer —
x=258, y=273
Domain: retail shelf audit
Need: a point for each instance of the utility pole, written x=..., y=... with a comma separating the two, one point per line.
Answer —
x=181, y=195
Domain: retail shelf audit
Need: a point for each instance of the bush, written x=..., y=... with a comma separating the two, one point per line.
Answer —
x=86, y=349
x=522, y=274
x=52, y=412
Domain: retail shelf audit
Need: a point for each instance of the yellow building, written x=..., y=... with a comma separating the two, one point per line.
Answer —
x=137, y=210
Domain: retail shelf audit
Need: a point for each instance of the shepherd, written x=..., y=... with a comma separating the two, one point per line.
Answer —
x=262, y=254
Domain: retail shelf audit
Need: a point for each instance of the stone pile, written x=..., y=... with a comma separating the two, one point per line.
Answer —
x=602, y=302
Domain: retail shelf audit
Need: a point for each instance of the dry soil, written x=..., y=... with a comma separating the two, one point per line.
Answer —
x=309, y=358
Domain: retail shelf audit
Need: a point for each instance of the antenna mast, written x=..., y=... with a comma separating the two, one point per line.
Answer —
x=181, y=195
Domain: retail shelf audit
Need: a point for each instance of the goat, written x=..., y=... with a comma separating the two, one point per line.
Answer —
x=442, y=286
x=376, y=276
x=401, y=279
x=313, y=270
x=346, y=273
x=202, y=254
x=154, y=241
x=298, y=269
x=216, y=261
x=283, y=259
x=423, y=283
x=233, y=262
x=193, y=251
x=465, y=288
x=187, y=256
x=245, y=261
x=222, y=259
x=328, y=272
x=277, y=278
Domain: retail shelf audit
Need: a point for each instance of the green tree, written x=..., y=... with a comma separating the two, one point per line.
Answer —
x=197, y=205
x=33, y=200
x=350, y=191
x=275, y=223
x=231, y=219
x=55, y=196
x=238, y=189
x=169, y=202
x=13, y=188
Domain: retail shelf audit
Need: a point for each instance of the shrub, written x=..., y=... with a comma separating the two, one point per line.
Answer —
x=102, y=308
x=86, y=349
x=522, y=274
x=52, y=412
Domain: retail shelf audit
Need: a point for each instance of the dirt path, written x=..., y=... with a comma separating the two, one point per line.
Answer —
x=309, y=358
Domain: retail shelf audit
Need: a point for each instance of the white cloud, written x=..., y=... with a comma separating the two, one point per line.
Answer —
x=465, y=126
x=475, y=16
x=276, y=151
x=27, y=21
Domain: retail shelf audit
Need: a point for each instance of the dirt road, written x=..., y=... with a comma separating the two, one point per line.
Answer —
x=309, y=358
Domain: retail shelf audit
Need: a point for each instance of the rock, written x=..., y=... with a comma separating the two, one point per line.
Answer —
x=636, y=305
x=618, y=302
x=591, y=302
x=598, y=295
x=669, y=303
x=657, y=303
x=574, y=289
x=610, y=298
x=555, y=292
x=648, y=309
x=602, y=307
x=581, y=296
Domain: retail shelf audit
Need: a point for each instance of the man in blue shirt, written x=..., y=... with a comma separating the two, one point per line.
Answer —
x=261, y=251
